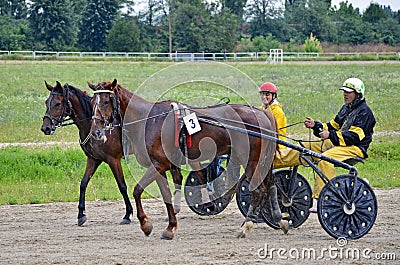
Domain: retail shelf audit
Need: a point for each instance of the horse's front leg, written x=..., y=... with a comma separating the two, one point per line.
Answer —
x=116, y=168
x=91, y=166
x=145, y=222
x=167, y=197
x=252, y=214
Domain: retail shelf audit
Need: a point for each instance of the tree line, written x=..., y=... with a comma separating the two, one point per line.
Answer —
x=190, y=25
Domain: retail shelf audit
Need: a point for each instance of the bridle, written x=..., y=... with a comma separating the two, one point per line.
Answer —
x=66, y=112
x=112, y=121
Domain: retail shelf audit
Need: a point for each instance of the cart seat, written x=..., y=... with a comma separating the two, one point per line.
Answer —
x=353, y=161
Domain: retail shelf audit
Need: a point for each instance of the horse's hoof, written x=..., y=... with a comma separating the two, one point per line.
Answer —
x=247, y=227
x=241, y=234
x=147, y=228
x=125, y=222
x=167, y=235
x=82, y=220
x=284, y=225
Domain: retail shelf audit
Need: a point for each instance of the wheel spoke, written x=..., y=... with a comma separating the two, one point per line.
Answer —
x=339, y=221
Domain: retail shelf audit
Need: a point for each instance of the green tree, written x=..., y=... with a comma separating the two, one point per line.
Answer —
x=265, y=18
x=13, y=33
x=235, y=7
x=96, y=23
x=189, y=23
x=124, y=36
x=265, y=44
x=374, y=13
x=349, y=26
x=385, y=29
x=154, y=26
x=309, y=16
x=51, y=24
x=221, y=35
x=15, y=8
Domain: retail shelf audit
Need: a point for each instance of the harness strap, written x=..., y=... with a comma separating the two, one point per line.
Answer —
x=103, y=91
x=188, y=136
x=181, y=111
x=177, y=115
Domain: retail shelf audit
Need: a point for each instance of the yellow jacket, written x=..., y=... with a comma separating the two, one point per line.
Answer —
x=280, y=117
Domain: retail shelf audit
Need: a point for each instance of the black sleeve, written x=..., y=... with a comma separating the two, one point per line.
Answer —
x=318, y=127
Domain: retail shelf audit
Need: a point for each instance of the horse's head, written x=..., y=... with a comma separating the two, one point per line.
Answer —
x=105, y=105
x=58, y=108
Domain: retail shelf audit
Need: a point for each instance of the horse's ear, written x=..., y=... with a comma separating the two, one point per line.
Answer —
x=49, y=87
x=58, y=87
x=114, y=83
x=93, y=87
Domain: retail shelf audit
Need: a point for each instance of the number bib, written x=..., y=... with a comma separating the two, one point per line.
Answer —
x=192, y=123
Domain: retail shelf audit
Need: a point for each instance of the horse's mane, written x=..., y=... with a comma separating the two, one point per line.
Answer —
x=84, y=100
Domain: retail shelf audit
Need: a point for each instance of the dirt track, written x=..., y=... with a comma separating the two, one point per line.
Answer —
x=48, y=234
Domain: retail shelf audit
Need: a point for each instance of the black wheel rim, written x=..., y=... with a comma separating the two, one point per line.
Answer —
x=294, y=197
x=350, y=220
x=219, y=199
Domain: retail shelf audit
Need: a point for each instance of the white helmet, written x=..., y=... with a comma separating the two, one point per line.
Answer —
x=353, y=84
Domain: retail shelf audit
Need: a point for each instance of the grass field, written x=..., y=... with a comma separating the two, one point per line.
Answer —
x=45, y=174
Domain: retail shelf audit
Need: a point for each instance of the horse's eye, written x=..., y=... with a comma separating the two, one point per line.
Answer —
x=106, y=103
x=57, y=105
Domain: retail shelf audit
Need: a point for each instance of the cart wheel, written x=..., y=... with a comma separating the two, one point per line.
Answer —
x=294, y=209
x=219, y=200
x=349, y=221
x=294, y=198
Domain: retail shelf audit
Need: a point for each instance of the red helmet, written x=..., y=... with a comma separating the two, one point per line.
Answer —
x=268, y=87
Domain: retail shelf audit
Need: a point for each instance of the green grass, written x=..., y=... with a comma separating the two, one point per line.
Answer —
x=35, y=175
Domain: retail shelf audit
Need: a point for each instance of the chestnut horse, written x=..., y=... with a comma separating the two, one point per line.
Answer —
x=150, y=129
x=70, y=102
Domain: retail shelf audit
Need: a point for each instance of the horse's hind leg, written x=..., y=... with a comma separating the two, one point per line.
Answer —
x=276, y=211
x=91, y=166
x=116, y=168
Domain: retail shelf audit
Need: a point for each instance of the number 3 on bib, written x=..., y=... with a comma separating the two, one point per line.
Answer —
x=192, y=123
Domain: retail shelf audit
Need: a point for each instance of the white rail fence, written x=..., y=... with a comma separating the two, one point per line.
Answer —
x=196, y=56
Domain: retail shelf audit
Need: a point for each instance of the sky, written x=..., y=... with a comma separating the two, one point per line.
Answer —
x=363, y=4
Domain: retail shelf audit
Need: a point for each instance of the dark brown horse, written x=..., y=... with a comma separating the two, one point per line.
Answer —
x=68, y=102
x=150, y=128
